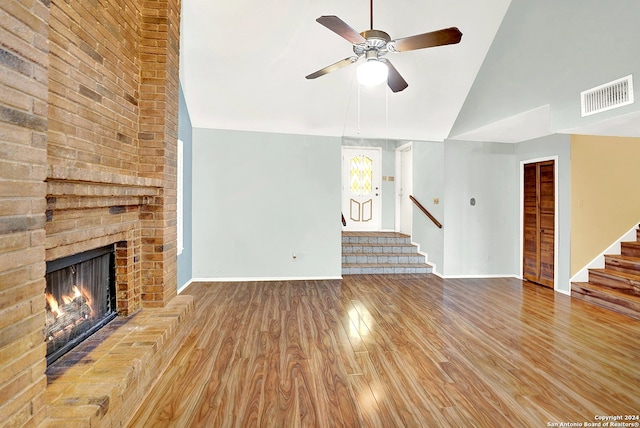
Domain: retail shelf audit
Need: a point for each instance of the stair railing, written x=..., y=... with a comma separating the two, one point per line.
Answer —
x=426, y=212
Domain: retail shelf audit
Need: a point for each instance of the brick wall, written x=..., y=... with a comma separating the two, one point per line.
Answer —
x=23, y=166
x=159, y=46
x=88, y=130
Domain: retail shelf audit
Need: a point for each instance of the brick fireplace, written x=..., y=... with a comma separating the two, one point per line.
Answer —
x=88, y=136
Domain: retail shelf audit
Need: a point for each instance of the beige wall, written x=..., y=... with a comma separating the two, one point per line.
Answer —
x=605, y=194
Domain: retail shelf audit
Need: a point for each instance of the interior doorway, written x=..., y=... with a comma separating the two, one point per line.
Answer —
x=539, y=221
x=404, y=188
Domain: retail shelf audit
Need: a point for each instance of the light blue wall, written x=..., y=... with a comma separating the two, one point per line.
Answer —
x=485, y=239
x=185, y=132
x=547, y=52
x=480, y=239
x=260, y=198
x=428, y=183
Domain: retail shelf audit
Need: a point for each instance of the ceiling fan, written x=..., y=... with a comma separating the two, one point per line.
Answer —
x=373, y=45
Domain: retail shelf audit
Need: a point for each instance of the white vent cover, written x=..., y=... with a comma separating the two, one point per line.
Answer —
x=608, y=96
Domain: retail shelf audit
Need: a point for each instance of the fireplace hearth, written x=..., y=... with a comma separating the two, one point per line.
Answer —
x=81, y=298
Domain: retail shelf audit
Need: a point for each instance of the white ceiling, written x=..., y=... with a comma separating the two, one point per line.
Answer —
x=514, y=129
x=536, y=123
x=626, y=125
x=243, y=64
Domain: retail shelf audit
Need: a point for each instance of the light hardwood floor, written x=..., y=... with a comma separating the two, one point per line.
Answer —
x=396, y=351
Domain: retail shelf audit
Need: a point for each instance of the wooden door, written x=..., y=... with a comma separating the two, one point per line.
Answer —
x=539, y=222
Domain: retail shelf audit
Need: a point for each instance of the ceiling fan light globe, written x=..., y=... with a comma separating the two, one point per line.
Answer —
x=372, y=73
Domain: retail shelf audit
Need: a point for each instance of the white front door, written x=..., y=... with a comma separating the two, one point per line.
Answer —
x=361, y=195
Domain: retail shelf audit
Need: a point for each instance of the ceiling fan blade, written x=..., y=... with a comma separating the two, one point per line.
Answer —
x=333, y=67
x=341, y=28
x=395, y=81
x=446, y=36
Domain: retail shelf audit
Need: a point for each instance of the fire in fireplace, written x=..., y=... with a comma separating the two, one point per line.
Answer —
x=81, y=298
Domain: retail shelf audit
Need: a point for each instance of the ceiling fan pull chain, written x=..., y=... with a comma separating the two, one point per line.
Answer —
x=358, y=130
x=386, y=114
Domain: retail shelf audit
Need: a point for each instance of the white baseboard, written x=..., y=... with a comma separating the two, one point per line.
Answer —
x=598, y=262
x=180, y=289
x=505, y=275
x=265, y=279
x=426, y=258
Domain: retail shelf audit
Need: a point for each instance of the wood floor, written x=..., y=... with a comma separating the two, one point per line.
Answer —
x=396, y=351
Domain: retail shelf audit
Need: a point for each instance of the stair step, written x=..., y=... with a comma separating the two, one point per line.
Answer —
x=381, y=253
x=622, y=281
x=609, y=298
x=630, y=249
x=384, y=268
x=617, y=286
x=363, y=258
x=373, y=233
x=379, y=248
x=622, y=263
x=375, y=238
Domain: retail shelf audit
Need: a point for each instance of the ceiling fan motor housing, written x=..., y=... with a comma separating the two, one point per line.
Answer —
x=376, y=43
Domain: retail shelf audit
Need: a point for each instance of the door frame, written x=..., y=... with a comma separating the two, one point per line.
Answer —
x=408, y=147
x=377, y=178
x=555, y=214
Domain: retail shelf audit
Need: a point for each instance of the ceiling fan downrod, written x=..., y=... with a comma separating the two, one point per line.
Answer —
x=371, y=14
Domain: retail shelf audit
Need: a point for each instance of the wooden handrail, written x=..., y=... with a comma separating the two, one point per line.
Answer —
x=427, y=213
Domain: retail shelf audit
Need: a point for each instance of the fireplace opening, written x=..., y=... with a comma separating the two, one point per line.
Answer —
x=81, y=298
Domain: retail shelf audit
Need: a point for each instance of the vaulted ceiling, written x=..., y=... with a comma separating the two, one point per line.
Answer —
x=243, y=67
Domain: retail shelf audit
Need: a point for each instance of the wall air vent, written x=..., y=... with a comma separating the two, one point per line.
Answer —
x=608, y=96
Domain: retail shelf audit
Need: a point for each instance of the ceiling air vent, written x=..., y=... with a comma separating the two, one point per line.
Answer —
x=608, y=96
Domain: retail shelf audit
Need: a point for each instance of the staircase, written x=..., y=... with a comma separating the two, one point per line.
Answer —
x=380, y=253
x=617, y=286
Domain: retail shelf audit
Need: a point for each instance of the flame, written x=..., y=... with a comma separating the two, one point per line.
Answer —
x=53, y=304
x=82, y=292
x=75, y=312
x=71, y=297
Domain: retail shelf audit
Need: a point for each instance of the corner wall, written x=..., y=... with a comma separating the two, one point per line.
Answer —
x=545, y=53
x=428, y=183
x=185, y=133
x=476, y=240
